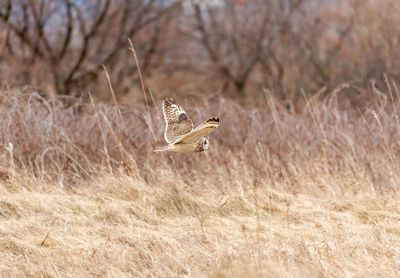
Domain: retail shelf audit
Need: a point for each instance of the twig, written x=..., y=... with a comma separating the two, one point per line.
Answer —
x=102, y=133
x=131, y=48
x=44, y=240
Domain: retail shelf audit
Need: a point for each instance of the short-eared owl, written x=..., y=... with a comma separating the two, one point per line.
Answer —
x=179, y=132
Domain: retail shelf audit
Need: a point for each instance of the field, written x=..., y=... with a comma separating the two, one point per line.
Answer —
x=311, y=191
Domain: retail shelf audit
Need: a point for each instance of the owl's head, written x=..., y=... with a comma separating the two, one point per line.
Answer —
x=203, y=144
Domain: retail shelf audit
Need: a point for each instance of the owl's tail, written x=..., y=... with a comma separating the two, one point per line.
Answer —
x=163, y=149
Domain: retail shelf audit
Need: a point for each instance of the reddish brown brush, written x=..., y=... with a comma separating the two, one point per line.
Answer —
x=280, y=192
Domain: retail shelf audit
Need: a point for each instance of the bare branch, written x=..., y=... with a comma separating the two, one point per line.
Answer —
x=68, y=33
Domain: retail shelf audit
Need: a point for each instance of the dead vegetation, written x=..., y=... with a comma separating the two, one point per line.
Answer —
x=308, y=191
x=185, y=47
x=302, y=178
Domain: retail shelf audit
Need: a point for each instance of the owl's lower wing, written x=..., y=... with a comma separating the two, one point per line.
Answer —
x=202, y=130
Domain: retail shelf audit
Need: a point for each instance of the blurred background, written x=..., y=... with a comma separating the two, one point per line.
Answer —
x=233, y=48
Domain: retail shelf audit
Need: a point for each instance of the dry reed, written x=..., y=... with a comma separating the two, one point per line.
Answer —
x=281, y=193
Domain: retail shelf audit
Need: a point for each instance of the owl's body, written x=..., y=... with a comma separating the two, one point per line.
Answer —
x=179, y=132
x=190, y=147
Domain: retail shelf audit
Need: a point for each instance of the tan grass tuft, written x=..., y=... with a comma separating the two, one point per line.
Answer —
x=278, y=194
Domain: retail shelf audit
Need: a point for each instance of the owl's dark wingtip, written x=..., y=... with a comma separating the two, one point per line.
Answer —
x=213, y=121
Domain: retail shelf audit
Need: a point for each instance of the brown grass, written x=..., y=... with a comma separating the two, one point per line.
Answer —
x=312, y=192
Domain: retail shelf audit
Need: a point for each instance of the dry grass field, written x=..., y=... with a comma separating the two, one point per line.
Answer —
x=308, y=192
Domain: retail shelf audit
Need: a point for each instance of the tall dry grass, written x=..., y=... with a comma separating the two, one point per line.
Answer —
x=311, y=191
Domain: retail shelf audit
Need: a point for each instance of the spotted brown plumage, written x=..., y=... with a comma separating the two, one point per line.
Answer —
x=179, y=132
x=177, y=121
x=202, y=130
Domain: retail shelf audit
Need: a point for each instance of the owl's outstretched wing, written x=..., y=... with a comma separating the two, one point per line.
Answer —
x=202, y=130
x=177, y=120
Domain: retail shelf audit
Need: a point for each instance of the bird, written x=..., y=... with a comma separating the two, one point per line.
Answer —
x=180, y=133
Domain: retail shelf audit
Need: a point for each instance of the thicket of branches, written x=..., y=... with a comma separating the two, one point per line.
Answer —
x=237, y=45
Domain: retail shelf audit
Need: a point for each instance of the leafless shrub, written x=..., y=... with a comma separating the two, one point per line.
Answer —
x=200, y=46
x=289, y=45
x=50, y=141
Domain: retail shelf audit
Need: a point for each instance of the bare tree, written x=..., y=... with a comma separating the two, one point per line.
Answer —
x=239, y=36
x=285, y=45
x=73, y=39
x=231, y=38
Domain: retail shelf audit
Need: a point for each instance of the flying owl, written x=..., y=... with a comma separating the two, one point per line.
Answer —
x=179, y=132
